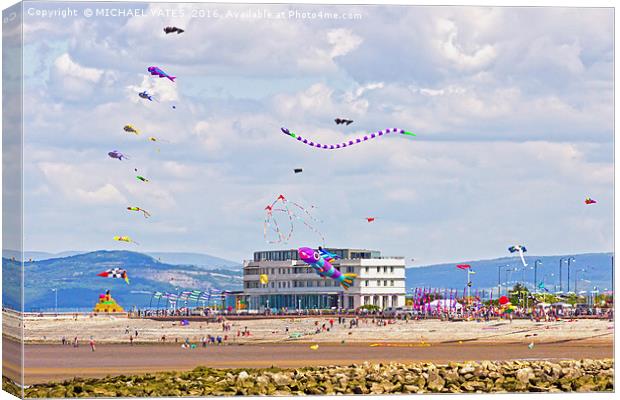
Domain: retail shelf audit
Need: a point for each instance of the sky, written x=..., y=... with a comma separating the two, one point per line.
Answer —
x=512, y=110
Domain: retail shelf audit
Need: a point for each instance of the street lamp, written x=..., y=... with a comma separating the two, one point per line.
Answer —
x=576, y=274
x=536, y=274
x=568, y=275
x=561, y=260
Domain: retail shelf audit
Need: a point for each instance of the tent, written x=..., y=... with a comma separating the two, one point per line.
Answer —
x=444, y=304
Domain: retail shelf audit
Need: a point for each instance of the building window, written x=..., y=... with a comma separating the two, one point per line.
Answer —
x=384, y=269
x=367, y=283
x=378, y=269
x=392, y=283
x=391, y=269
x=367, y=269
x=384, y=283
x=378, y=283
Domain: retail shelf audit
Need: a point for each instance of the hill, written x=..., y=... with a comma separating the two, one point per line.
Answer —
x=75, y=278
x=597, y=273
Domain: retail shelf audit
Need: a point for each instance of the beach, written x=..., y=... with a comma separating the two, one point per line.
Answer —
x=114, y=329
x=269, y=344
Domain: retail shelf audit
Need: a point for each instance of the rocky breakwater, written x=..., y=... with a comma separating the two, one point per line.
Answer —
x=469, y=377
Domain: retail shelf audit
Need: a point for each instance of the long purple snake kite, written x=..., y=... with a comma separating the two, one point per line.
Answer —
x=347, y=143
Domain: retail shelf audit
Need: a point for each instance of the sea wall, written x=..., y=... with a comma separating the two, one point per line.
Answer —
x=470, y=377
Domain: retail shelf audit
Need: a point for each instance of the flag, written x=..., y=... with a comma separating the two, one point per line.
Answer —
x=463, y=266
x=194, y=295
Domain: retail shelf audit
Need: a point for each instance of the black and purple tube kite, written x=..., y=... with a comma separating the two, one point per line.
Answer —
x=347, y=143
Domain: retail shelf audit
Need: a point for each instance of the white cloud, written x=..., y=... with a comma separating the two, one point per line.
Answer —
x=343, y=41
x=67, y=68
x=448, y=46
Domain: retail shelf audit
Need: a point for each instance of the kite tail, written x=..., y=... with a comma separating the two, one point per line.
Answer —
x=146, y=214
x=522, y=258
x=127, y=279
x=347, y=280
x=172, y=78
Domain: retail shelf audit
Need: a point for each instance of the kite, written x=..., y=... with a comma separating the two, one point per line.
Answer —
x=115, y=273
x=504, y=300
x=124, y=239
x=264, y=279
x=144, y=212
x=521, y=249
x=131, y=129
x=590, y=201
x=340, y=121
x=530, y=346
x=145, y=95
x=117, y=154
x=141, y=178
x=370, y=219
x=463, y=266
x=157, y=71
x=321, y=262
x=172, y=29
x=292, y=212
x=345, y=144
x=298, y=170
x=314, y=347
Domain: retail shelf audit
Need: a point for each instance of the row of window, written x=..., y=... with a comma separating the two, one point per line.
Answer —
x=285, y=271
x=385, y=269
x=288, y=284
x=307, y=270
x=385, y=283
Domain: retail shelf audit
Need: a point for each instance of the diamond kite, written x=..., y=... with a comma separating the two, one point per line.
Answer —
x=590, y=201
x=283, y=227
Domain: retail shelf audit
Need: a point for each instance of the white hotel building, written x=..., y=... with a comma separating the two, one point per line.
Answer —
x=293, y=284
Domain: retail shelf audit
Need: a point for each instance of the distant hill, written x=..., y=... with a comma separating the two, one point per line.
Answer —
x=198, y=259
x=39, y=255
x=78, y=285
x=597, y=274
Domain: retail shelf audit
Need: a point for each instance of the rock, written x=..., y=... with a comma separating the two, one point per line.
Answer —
x=435, y=382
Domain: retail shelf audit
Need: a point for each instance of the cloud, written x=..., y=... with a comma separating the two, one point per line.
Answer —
x=449, y=48
x=343, y=41
x=514, y=127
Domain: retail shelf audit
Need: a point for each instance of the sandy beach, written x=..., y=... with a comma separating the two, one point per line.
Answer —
x=111, y=329
x=269, y=343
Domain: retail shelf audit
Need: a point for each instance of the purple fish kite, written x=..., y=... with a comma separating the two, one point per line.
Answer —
x=157, y=71
x=117, y=154
x=321, y=261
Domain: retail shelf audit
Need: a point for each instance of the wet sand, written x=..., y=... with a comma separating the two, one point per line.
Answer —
x=45, y=362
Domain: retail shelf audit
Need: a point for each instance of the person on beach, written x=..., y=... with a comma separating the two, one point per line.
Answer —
x=91, y=343
x=131, y=340
x=75, y=342
x=64, y=340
